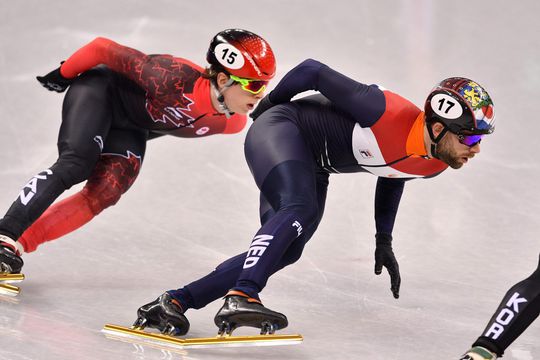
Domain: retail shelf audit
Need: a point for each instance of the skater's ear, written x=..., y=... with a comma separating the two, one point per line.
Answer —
x=437, y=128
x=222, y=80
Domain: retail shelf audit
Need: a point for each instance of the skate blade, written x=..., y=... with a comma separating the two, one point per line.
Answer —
x=11, y=278
x=117, y=332
x=9, y=290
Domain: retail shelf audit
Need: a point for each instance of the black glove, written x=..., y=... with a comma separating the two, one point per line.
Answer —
x=263, y=105
x=54, y=81
x=384, y=256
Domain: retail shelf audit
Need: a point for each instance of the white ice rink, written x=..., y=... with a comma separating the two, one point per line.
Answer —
x=462, y=239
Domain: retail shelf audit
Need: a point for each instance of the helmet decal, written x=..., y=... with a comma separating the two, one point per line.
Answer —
x=253, y=64
x=229, y=56
x=481, y=104
x=445, y=106
x=472, y=93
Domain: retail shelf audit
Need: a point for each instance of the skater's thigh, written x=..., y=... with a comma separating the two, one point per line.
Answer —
x=87, y=114
x=118, y=166
x=280, y=161
x=126, y=142
x=275, y=139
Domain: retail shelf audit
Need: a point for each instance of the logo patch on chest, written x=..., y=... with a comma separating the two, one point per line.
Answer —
x=202, y=130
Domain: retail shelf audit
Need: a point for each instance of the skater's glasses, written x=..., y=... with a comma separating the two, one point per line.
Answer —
x=251, y=86
x=470, y=140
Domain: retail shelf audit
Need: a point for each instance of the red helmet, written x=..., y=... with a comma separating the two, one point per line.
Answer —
x=243, y=54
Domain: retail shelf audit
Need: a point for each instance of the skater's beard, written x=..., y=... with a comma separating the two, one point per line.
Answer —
x=449, y=155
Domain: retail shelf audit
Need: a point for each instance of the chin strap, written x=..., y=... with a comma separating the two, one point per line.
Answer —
x=435, y=140
x=221, y=99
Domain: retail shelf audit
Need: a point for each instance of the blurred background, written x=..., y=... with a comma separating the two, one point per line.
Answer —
x=461, y=239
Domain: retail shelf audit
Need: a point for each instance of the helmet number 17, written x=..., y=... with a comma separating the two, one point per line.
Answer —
x=450, y=105
x=444, y=106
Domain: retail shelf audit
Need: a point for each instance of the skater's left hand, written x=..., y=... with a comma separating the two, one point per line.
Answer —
x=384, y=256
x=54, y=81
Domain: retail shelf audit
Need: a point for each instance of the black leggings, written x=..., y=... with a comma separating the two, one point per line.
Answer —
x=518, y=309
x=93, y=122
x=293, y=195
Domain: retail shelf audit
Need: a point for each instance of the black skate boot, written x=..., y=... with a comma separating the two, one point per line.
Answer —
x=10, y=257
x=164, y=314
x=241, y=310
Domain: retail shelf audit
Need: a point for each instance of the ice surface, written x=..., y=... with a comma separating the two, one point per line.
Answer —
x=462, y=239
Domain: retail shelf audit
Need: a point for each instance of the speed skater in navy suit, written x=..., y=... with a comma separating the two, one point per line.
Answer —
x=293, y=147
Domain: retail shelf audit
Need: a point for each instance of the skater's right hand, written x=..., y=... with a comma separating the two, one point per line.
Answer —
x=54, y=81
x=384, y=256
x=263, y=105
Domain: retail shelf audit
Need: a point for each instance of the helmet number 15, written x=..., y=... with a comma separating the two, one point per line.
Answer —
x=229, y=56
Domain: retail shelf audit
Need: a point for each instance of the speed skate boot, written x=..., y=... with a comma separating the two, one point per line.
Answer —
x=165, y=314
x=10, y=256
x=241, y=310
x=479, y=353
